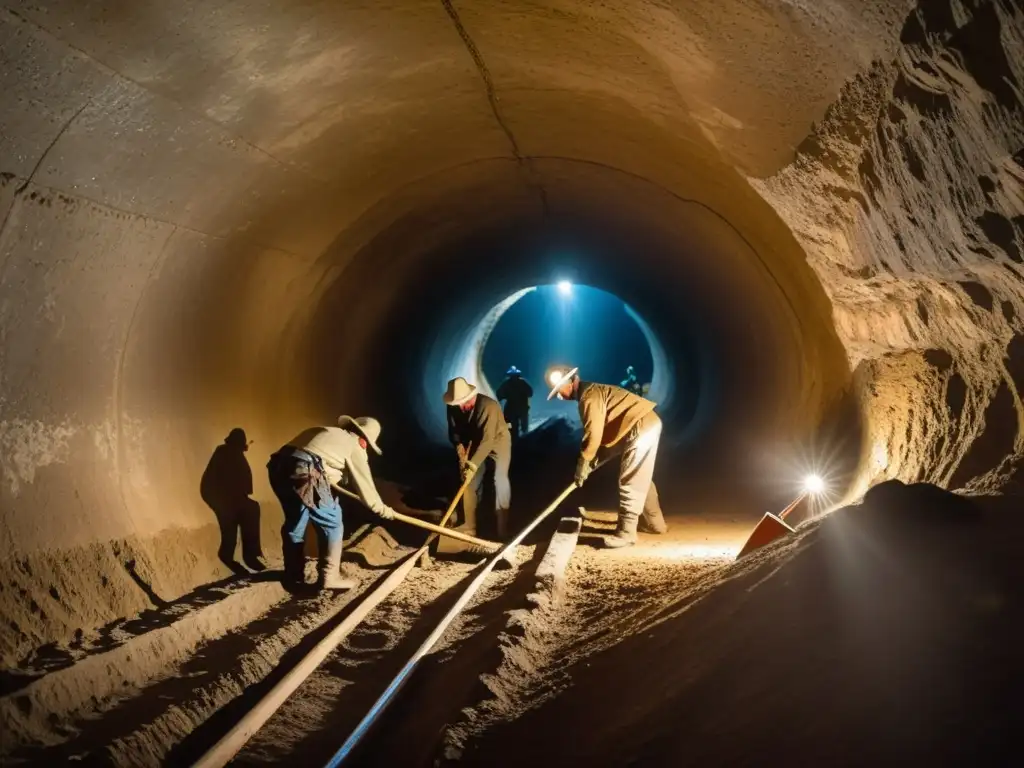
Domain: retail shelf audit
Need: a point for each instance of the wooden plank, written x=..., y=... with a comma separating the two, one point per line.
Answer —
x=551, y=571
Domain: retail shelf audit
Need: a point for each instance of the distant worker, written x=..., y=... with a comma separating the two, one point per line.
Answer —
x=477, y=429
x=610, y=414
x=516, y=392
x=301, y=474
x=631, y=383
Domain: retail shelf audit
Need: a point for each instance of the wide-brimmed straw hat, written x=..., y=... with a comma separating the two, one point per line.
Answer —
x=459, y=391
x=366, y=426
x=560, y=382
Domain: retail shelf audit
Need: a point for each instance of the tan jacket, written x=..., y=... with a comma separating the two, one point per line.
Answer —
x=345, y=461
x=608, y=413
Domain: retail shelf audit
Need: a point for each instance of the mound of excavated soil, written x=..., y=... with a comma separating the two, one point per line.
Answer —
x=889, y=633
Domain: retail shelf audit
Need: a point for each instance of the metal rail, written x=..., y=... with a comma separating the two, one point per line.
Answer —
x=229, y=745
x=403, y=675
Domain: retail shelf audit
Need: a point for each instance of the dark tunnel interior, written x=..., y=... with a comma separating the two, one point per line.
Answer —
x=263, y=215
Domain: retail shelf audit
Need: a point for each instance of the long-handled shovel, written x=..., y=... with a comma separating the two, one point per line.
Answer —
x=488, y=546
x=425, y=557
x=770, y=528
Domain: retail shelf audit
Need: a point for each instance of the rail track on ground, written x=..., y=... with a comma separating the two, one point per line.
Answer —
x=316, y=679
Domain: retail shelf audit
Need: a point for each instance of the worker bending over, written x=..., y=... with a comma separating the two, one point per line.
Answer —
x=301, y=474
x=477, y=429
x=516, y=392
x=610, y=414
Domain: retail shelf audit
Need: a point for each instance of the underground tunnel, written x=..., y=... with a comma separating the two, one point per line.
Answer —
x=244, y=215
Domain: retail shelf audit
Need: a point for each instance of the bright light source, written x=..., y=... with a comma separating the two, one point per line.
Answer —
x=554, y=377
x=814, y=484
x=565, y=287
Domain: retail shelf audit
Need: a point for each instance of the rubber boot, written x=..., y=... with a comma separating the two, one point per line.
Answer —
x=652, y=521
x=501, y=519
x=294, y=561
x=330, y=569
x=625, y=533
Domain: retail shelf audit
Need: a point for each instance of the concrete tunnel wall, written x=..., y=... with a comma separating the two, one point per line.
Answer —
x=212, y=214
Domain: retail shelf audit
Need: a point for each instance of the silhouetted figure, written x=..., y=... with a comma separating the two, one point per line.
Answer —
x=516, y=392
x=225, y=487
x=631, y=383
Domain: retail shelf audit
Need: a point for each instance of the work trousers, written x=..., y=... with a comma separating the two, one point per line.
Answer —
x=519, y=423
x=292, y=472
x=637, y=494
x=501, y=456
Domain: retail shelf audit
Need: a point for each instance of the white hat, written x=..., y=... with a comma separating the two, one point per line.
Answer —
x=561, y=381
x=368, y=427
x=459, y=391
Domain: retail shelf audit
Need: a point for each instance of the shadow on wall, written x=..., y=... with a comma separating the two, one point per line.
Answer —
x=226, y=486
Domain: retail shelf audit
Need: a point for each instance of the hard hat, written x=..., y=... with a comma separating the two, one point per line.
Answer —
x=459, y=391
x=557, y=378
x=513, y=371
x=367, y=427
x=630, y=369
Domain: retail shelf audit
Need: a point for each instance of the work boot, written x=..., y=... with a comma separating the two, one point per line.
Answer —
x=625, y=533
x=652, y=521
x=330, y=569
x=294, y=561
x=501, y=518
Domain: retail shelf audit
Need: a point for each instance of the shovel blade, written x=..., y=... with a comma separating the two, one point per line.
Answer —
x=768, y=530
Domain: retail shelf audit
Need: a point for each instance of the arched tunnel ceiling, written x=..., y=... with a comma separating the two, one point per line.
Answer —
x=318, y=109
x=193, y=195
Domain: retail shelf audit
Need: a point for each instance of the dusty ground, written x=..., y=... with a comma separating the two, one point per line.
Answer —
x=887, y=634
x=208, y=661
x=509, y=641
x=906, y=608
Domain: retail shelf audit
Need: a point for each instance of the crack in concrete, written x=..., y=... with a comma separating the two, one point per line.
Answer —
x=492, y=99
x=21, y=189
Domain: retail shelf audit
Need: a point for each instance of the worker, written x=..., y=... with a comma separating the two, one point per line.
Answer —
x=301, y=474
x=609, y=415
x=477, y=429
x=516, y=392
x=631, y=383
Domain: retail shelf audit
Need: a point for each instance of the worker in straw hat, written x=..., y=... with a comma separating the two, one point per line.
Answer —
x=301, y=474
x=612, y=415
x=477, y=429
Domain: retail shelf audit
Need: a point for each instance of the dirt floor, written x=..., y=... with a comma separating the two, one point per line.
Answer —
x=905, y=609
x=168, y=684
x=888, y=634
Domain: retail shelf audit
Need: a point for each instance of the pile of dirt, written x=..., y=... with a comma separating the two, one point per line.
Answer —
x=888, y=633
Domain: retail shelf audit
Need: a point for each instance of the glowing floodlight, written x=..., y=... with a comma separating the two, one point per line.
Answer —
x=555, y=377
x=564, y=287
x=814, y=484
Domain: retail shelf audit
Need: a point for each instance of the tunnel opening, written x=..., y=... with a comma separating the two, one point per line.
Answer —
x=575, y=324
x=563, y=323
x=748, y=377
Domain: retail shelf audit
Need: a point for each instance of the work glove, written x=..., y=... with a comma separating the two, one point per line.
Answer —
x=386, y=513
x=583, y=469
x=468, y=468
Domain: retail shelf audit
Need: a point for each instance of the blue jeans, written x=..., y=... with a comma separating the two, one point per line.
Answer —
x=298, y=478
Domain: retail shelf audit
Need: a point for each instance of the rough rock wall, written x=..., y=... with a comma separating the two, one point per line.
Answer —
x=908, y=198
